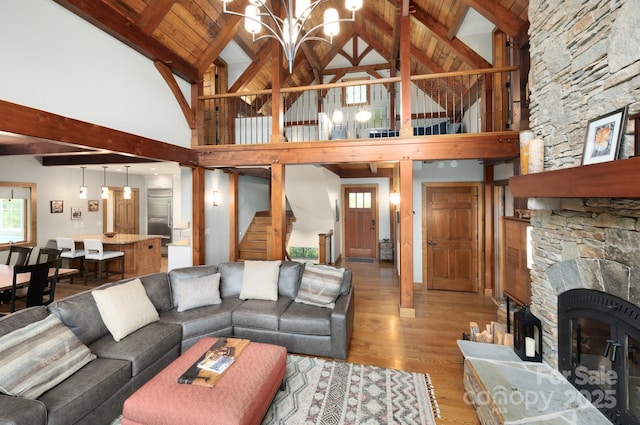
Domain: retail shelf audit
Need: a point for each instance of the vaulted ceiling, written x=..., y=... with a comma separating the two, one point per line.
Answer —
x=189, y=35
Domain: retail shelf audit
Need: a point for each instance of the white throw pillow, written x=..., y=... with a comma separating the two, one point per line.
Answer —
x=196, y=292
x=260, y=280
x=39, y=356
x=320, y=285
x=125, y=308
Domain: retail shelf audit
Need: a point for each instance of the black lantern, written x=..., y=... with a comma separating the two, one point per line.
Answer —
x=527, y=335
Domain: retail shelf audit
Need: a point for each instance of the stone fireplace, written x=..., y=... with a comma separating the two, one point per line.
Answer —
x=586, y=271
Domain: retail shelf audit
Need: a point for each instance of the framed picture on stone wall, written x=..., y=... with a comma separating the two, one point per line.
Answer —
x=604, y=134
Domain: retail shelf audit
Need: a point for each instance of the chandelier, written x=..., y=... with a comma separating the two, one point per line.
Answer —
x=290, y=30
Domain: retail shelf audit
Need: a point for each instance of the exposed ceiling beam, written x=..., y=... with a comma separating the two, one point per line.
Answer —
x=152, y=14
x=458, y=18
x=168, y=77
x=109, y=20
x=500, y=16
x=217, y=45
x=249, y=73
x=439, y=31
x=38, y=147
x=92, y=159
x=19, y=119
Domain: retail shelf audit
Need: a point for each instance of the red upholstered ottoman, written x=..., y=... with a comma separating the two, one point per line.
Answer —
x=242, y=396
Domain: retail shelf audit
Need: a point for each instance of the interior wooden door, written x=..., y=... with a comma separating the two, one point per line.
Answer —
x=126, y=215
x=360, y=221
x=451, y=237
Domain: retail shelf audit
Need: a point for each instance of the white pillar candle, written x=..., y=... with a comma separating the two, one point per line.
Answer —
x=529, y=347
x=536, y=156
x=525, y=137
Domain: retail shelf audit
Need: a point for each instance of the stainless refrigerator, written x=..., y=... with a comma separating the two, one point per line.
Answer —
x=159, y=215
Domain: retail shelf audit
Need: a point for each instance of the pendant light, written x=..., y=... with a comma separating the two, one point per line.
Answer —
x=105, y=189
x=83, y=188
x=127, y=188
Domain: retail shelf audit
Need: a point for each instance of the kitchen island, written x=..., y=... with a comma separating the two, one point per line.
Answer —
x=142, y=253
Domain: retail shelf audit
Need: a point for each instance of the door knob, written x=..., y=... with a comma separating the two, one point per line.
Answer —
x=431, y=243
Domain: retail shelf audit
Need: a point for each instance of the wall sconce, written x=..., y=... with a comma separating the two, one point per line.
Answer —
x=216, y=198
x=394, y=198
x=83, y=188
x=363, y=115
x=127, y=188
x=104, y=190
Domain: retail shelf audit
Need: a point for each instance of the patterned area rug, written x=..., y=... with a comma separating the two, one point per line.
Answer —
x=320, y=392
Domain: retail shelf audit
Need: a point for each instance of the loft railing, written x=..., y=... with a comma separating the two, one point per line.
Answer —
x=461, y=102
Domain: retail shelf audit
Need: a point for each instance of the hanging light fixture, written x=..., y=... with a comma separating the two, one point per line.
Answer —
x=363, y=115
x=83, y=188
x=290, y=30
x=105, y=189
x=127, y=188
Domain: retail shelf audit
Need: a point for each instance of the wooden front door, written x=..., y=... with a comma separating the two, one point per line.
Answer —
x=450, y=235
x=360, y=221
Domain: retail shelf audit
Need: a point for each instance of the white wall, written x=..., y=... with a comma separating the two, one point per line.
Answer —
x=55, y=61
x=63, y=183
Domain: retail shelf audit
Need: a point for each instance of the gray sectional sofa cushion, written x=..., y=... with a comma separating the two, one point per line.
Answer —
x=95, y=393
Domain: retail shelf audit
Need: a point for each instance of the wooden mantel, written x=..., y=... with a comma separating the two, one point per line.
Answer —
x=615, y=179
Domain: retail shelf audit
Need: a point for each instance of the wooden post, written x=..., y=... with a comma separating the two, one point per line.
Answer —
x=233, y=217
x=489, y=227
x=278, y=212
x=277, y=109
x=406, y=239
x=197, y=215
x=406, y=129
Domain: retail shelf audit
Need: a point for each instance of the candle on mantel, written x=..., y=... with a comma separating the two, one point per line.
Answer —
x=536, y=156
x=525, y=137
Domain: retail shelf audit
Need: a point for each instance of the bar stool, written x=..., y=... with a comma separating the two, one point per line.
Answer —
x=70, y=253
x=94, y=253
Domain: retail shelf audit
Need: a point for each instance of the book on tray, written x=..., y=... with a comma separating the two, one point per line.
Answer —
x=217, y=359
x=213, y=364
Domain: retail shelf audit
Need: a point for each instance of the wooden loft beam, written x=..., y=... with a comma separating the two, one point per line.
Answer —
x=497, y=145
x=153, y=13
x=500, y=16
x=458, y=18
x=458, y=47
x=215, y=47
x=19, y=119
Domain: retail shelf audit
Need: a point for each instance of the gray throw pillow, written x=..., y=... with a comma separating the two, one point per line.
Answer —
x=196, y=292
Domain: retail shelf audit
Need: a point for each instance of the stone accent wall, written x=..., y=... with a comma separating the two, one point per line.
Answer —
x=585, y=62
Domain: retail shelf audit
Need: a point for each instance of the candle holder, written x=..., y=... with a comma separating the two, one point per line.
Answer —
x=527, y=335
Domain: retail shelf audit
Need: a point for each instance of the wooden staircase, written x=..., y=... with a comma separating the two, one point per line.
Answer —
x=256, y=242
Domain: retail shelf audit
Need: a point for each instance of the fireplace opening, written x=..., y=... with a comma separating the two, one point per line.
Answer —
x=599, y=351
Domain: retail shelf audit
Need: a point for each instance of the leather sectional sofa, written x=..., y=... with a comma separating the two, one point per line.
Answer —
x=95, y=393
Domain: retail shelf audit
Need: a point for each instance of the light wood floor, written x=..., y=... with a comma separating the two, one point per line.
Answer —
x=425, y=344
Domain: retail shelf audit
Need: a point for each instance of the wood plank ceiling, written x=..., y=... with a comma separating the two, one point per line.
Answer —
x=189, y=35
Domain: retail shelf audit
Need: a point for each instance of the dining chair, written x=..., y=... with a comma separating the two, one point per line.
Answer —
x=38, y=283
x=19, y=255
x=46, y=254
x=94, y=253
x=70, y=253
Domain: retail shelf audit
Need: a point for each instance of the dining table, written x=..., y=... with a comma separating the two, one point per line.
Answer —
x=6, y=276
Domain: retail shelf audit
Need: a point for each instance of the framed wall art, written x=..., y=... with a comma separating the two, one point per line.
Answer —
x=57, y=207
x=76, y=213
x=604, y=134
x=93, y=205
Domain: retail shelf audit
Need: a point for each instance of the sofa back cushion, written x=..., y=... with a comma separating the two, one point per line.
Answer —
x=22, y=318
x=288, y=280
x=159, y=290
x=231, y=279
x=80, y=313
x=345, y=287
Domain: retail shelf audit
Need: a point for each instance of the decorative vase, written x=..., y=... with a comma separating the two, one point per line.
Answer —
x=536, y=156
x=525, y=137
